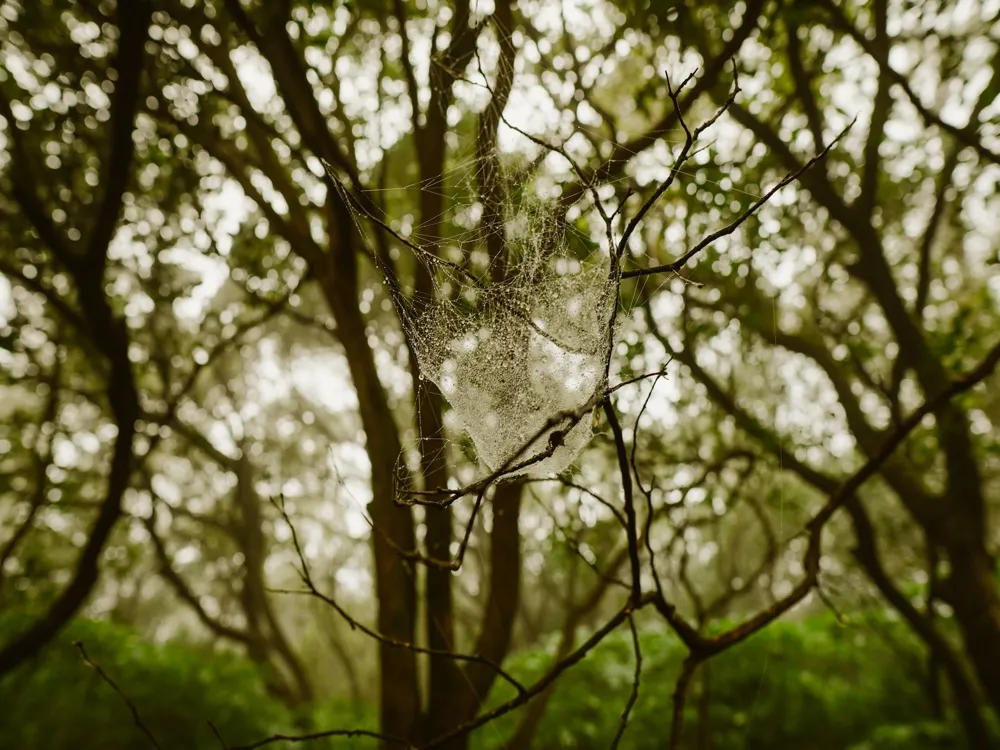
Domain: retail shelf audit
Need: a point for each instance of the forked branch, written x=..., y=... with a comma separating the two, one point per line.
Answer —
x=735, y=224
x=312, y=590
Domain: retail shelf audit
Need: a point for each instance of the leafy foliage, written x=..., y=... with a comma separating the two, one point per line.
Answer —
x=813, y=683
x=58, y=703
x=242, y=302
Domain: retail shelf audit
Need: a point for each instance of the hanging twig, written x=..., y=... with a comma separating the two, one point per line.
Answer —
x=312, y=590
x=131, y=706
x=634, y=695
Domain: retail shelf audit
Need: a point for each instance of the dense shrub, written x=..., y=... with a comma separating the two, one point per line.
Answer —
x=57, y=702
x=812, y=684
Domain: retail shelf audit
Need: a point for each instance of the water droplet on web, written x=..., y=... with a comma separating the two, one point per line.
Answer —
x=508, y=356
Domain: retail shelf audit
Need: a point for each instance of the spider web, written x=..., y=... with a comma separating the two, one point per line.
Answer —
x=520, y=322
x=509, y=350
x=508, y=356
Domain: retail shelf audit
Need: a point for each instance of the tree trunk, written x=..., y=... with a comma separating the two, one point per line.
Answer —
x=438, y=601
x=399, y=705
x=704, y=735
x=966, y=700
x=501, y=610
x=972, y=591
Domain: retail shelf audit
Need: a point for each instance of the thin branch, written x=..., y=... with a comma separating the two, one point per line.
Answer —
x=312, y=590
x=630, y=519
x=735, y=224
x=296, y=738
x=551, y=676
x=619, y=516
x=574, y=544
x=690, y=138
x=218, y=736
x=623, y=152
x=104, y=676
x=680, y=695
x=634, y=695
x=645, y=376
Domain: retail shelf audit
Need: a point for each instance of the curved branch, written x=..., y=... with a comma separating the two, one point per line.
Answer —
x=312, y=590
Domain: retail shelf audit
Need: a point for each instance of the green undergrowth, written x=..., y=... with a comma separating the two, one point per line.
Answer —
x=814, y=684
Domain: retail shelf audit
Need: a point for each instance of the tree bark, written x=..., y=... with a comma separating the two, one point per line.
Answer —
x=966, y=700
x=266, y=633
x=399, y=704
x=501, y=609
x=971, y=590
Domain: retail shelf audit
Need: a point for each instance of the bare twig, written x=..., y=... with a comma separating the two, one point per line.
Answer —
x=630, y=519
x=574, y=544
x=645, y=376
x=680, y=696
x=565, y=482
x=296, y=738
x=634, y=695
x=218, y=736
x=725, y=231
x=690, y=138
x=104, y=676
x=312, y=590
x=551, y=676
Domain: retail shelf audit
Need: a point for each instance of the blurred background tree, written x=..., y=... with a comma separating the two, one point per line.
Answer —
x=207, y=392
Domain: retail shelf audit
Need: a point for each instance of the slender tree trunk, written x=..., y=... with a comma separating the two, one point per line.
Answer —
x=966, y=700
x=501, y=609
x=704, y=708
x=399, y=704
x=974, y=595
x=438, y=600
x=934, y=697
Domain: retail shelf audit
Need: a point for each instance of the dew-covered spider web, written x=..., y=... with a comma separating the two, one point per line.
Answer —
x=512, y=350
x=509, y=356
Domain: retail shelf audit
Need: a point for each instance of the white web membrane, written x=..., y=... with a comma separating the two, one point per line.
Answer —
x=511, y=351
x=508, y=356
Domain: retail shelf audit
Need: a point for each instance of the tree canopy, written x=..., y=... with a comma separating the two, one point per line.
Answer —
x=501, y=374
